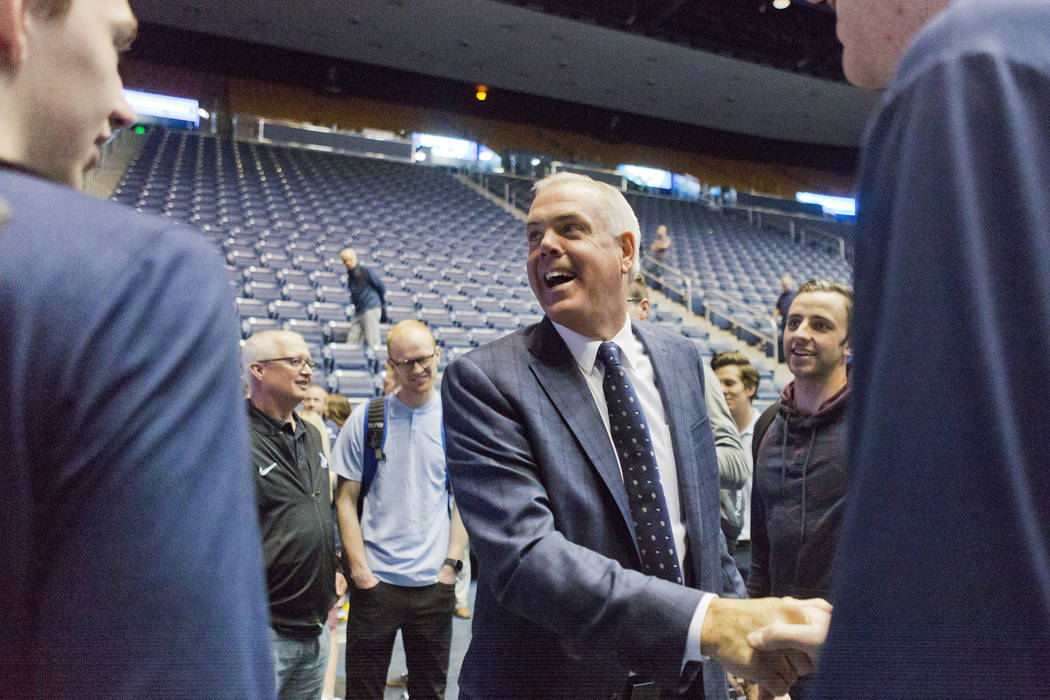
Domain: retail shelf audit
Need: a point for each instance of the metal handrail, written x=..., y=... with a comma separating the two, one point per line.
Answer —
x=758, y=313
x=687, y=293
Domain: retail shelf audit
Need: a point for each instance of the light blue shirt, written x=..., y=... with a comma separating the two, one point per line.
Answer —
x=405, y=519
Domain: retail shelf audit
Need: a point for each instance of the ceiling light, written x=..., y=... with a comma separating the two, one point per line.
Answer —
x=781, y=4
x=482, y=93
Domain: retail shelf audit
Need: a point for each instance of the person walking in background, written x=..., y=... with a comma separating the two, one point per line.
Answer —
x=367, y=294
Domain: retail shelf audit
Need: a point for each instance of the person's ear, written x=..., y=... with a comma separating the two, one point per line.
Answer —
x=628, y=250
x=12, y=33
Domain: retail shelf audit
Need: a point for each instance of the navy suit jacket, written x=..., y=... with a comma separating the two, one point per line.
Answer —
x=562, y=609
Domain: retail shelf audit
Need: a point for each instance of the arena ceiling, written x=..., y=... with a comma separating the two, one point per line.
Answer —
x=735, y=66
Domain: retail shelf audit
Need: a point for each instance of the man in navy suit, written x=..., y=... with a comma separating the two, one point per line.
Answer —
x=131, y=550
x=562, y=606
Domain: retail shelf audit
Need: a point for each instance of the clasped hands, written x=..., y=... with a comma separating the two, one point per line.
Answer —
x=768, y=641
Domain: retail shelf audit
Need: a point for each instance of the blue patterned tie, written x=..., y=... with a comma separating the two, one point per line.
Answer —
x=641, y=477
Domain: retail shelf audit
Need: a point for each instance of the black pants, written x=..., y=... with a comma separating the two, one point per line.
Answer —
x=424, y=616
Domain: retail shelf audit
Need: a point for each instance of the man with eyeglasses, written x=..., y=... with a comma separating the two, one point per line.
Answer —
x=292, y=494
x=405, y=544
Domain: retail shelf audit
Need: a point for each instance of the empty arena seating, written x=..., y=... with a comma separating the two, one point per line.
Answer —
x=280, y=217
x=448, y=256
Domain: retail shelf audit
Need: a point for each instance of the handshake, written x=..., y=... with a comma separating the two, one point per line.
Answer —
x=767, y=641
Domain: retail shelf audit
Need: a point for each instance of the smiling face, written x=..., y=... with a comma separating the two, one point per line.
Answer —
x=285, y=384
x=815, y=336
x=738, y=396
x=66, y=89
x=577, y=268
x=413, y=360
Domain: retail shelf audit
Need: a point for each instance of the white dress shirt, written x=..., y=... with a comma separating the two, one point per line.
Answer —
x=639, y=370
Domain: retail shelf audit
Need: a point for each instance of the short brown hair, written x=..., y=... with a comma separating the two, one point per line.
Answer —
x=820, y=285
x=749, y=376
x=48, y=8
x=338, y=408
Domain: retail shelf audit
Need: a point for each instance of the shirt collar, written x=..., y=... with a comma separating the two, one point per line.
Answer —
x=274, y=424
x=584, y=350
x=399, y=406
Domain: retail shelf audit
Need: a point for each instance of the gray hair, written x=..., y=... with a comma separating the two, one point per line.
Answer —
x=263, y=345
x=614, y=212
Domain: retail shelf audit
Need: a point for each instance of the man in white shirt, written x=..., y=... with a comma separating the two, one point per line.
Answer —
x=739, y=381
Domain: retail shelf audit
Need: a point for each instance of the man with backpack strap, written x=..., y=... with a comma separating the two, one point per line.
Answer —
x=402, y=536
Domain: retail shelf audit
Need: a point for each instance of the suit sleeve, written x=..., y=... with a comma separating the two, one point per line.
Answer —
x=733, y=469
x=588, y=600
x=150, y=489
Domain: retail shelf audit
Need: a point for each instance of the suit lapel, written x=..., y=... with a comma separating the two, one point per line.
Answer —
x=560, y=378
x=675, y=373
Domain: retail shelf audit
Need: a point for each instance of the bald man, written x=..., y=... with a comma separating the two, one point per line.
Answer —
x=292, y=494
x=366, y=292
x=405, y=544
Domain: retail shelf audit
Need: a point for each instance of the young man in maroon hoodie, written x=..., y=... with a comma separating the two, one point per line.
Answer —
x=801, y=473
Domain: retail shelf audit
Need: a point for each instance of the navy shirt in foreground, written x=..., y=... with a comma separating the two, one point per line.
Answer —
x=942, y=583
x=131, y=551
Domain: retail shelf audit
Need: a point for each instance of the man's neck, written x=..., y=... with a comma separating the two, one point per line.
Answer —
x=810, y=394
x=274, y=409
x=743, y=416
x=413, y=400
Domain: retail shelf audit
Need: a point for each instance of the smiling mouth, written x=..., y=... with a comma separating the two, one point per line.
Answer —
x=558, y=277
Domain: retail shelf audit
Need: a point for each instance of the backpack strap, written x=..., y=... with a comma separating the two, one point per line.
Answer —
x=761, y=426
x=375, y=438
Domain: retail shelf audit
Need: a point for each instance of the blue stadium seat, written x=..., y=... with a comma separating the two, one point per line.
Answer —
x=344, y=356
x=458, y=302
x=311, y=331
x=469, y=319
x=487, y=304
x=334, y=294
x=502, y=320
x=337, y=331
x=327, y=311
x=285, y=310
x=251, y=307
x=356, y=385
x=397, y=314
x=299, y=292
x=267, y=291
x=252, y=325
x=450, y=336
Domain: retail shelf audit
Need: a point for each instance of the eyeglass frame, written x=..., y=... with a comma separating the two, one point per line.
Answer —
x=295, y=362
x=423, y=361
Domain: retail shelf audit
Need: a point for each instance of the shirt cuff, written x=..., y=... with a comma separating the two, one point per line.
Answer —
x=692, y=640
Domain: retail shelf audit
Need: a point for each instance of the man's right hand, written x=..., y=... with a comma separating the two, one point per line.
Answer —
x=365, y=581
x=728, y=623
